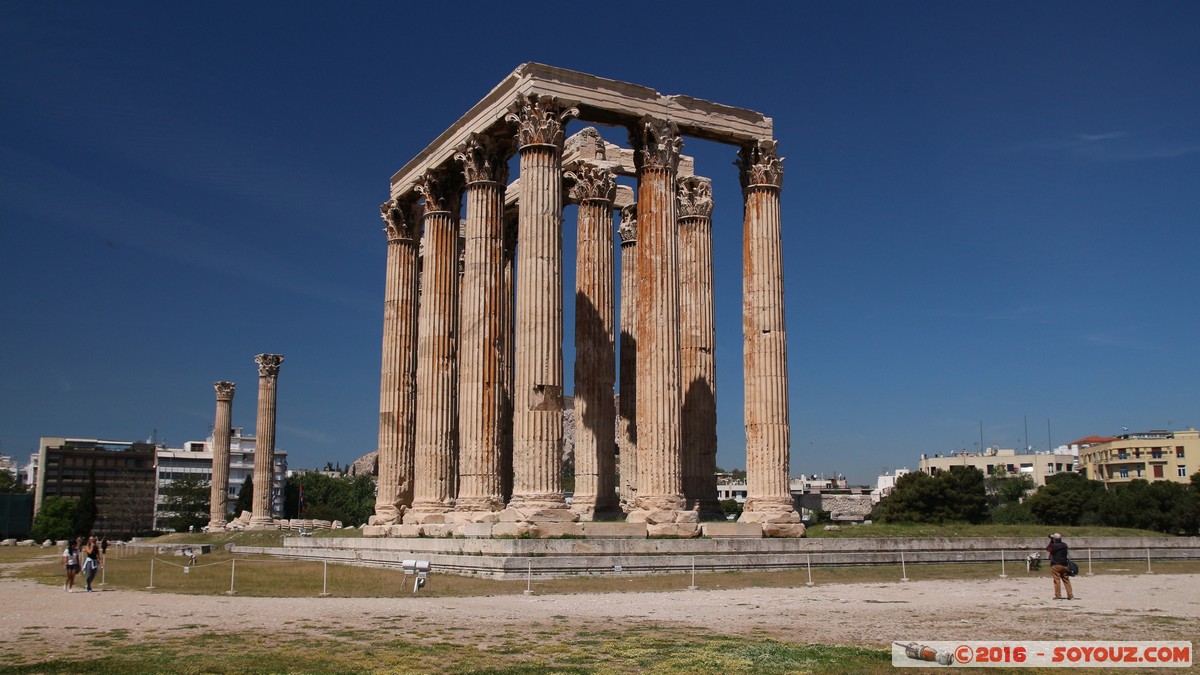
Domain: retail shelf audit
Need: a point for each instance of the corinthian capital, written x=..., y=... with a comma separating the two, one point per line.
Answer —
x=268, y=364
x=695, y=197
x=539, y=119
x=484, y=159
x=656, y=143
x=760, y=165
x=627, y=230
x=224, y=390
x=591, y=183
x=401, y=220
x=442, y=190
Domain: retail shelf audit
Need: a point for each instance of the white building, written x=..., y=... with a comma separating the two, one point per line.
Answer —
x=1037, y=465
x=195, y=459
x=886, y=483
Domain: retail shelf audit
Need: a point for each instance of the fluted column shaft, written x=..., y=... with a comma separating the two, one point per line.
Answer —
x=435, y=447
x=219, y=486
x=697, y=341
x=627, y=400
x=660, y=488
x=538, y=369
x=480, y=356
x=507, y=354
x=767, y=427
x=397, y=381
x=595, y=368
x=264, y=440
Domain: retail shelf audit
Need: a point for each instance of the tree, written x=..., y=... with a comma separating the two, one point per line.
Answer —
x=187, y=500
x=1068, y=499
x=85, y=509
x=1005, y=488
x=954, y=495
x=245, y=498
x=55, y=520
x=9, y=483
x=350, y=500
x=731, y=507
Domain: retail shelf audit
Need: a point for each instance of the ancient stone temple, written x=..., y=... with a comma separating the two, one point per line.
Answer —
x=264, y=449
x=220, y=462
x=472, y=384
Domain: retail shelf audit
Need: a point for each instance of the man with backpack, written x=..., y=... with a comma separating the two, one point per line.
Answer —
x=1060, y=569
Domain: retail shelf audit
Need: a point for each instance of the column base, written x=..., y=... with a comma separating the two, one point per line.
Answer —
x=710, y=510
x=665, y=516
x=431, y=515
x=778, y=517
x=262, y=524
x=387, y=515
x=216, y=525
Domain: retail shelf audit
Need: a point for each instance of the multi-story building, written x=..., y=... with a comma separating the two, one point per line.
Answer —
x=195, y=459
x=124, y=472
x=1150, y=455
x=1037, y=465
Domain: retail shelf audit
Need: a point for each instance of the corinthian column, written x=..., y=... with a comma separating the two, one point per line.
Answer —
x=264, y=441
x=659, y=502
x=595, y=434
x=435, y=446
x=480, y=354
x=768, y=431
x=697, y=340
x=538, y=368
x=627, y=400
x=218, y=495
x=397, y=381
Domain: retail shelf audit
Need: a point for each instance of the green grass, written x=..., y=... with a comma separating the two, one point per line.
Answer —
x=563, y=650
x=924, y=530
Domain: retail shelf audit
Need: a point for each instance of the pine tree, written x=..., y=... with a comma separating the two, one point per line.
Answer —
x=245, y=500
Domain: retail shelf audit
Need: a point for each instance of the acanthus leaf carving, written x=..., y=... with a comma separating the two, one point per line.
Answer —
x=268, y=364
x=224, y=390
x=656, y=143
x=695, y=197
x=401, y=220
x=540, y=119
x=442, y=190
x=484, y=159
x=591, y=182
x=759, y=165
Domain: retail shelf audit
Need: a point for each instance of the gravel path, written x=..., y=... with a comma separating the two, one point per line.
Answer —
x=1125, y=607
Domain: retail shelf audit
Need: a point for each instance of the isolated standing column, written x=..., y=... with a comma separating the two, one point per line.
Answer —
x=397, y=381
x=768, y=430
x=697, y=342
x=595, y=368
x=219, y=487
x=261, y=516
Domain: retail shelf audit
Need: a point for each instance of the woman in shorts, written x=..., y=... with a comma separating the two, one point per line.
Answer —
x=71, y=562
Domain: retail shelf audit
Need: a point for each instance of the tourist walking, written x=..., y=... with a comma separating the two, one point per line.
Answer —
x=71, y=562
x=92, y=562
x=1060, y=571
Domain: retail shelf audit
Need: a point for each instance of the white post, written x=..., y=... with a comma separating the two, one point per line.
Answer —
x=528, y=578
x=1148, y=570
x=903, y=572
x=1090, y=563
x=325, y=580
x=809, y=557
x=1002, y=574
x=693, y=586
x=151, y=573
x=232, y=573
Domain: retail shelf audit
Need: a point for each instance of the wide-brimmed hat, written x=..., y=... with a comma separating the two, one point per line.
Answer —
x=1056, y=536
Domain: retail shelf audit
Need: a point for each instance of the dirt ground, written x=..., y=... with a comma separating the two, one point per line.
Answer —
x=1124, y=607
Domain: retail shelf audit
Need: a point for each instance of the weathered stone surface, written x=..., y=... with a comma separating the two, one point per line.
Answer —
x=551, y=530
x=796, y=530
x=264, y=445
x=222, y=427
x=604, y=530
x=375, y=530
x=680, y=530
x=8, y=542
x=402, y=530
x=510, y=529
x=731, y=530
x=477, y=529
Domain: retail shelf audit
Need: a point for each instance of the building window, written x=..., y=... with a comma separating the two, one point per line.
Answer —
x=1156, y=453
x=1179, y=451
x=1182, y=471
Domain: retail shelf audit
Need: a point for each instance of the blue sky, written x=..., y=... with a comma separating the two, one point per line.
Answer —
x=990, y=210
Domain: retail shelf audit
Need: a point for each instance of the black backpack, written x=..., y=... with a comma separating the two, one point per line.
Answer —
x=1072, y=568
